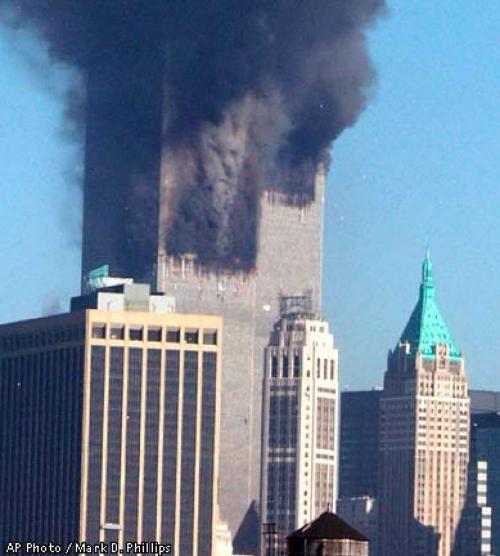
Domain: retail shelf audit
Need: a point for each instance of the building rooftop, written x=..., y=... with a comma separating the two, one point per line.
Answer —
x=484, y=401
x=426, y=326
x=486, y=420
x=125, y=296
x=328, y=526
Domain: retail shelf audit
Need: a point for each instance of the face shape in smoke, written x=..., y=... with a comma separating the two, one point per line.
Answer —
x=256, y=91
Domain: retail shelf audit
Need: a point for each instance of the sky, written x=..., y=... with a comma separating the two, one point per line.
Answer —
x=421, y=167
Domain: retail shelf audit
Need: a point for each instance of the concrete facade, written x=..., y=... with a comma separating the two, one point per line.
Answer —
x=300, y=425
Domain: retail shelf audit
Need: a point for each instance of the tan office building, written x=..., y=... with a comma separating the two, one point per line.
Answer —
x=424, y=435
x=109, y=424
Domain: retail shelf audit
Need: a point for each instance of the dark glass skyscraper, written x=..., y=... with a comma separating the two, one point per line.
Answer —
x=359, y=443
x=485, y=446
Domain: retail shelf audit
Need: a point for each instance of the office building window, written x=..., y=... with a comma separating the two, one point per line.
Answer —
x=133, y=441
x=135, y=333
x=151, y=445
x=207, y=451
x=285, y=365
x=154, y=334
x=191, y=336
x=170, y=448
x=99, y=331
x=189, y=414
x=210, y=337
x=296, y=365
x=114, y=434
x=117, y=332
x=174, y=335
x=97, y=362
x=274, y=365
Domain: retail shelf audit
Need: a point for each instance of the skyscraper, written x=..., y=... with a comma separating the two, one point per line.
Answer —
x=474, y=531
x=361, y=513
x=485, y=448
x=300, y=431
x=359, y=443
x=124, y=227
x=424, y=435
x=109, y=424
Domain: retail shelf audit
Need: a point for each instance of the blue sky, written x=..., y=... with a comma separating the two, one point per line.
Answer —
x=422, y=163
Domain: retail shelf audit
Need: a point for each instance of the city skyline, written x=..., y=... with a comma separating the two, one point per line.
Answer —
x=285, y=204
x=432, y=155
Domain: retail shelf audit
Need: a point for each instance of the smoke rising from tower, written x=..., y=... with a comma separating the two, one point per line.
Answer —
x=253, y=92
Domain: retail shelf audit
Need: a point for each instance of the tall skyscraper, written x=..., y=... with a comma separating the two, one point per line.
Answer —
x=424, y=435
x=118, y=230
x=361, y=512
x=300, y=431
x=485, y=447
x=109, y=424
x=359, y=443
x=359, y=458
x=474, y=531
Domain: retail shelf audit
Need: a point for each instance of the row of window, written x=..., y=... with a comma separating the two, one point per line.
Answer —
x=291, y=367
x=40, y=338
x=154, y=334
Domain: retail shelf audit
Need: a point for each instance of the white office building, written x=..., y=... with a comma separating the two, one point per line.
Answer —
x=300, y=422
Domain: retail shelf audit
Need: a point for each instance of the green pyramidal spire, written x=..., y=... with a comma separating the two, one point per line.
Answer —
x=426, y=326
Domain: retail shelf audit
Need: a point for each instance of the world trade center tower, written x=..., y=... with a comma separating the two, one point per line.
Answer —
x=127, y=199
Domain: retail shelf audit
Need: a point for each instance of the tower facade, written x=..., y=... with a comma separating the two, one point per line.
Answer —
x=300, y=429
x=485, y=448
x=474, y=532
x=424, y=435
x=359, y=443
x=109, y=425
x=126, y=205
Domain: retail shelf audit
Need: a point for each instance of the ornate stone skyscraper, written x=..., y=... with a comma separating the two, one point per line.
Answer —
x=300, y=422
x=424, y=435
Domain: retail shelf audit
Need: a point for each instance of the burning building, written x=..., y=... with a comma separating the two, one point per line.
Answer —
x=207, y=129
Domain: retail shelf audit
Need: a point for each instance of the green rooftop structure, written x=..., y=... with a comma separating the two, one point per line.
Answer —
x=426, y=326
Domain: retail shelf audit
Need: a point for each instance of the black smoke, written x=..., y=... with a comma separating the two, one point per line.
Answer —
x=242, y=94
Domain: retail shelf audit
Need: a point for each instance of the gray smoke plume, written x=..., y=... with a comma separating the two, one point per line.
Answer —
x=256, y=92
x=51, y=305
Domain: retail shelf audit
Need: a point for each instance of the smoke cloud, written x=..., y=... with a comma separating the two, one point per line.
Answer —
x=51, y=305
x=243, y=94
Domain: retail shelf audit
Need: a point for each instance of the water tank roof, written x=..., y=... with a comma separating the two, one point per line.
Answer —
x=328, y=526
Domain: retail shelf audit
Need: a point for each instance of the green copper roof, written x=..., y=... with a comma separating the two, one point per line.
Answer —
x=426, y=326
